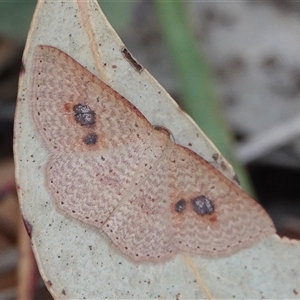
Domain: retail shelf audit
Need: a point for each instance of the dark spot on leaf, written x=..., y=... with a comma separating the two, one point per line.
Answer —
x=236, y=179
x=295, y=292
x=131, y=60
x=22, y=69
x=223, y=166
x=270, y=62
x=202, y=205
x=49, y=283
x=28, y=227
x=215, y=156
x=63, y=292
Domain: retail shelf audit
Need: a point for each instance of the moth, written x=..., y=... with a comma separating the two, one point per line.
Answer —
x=110, y=169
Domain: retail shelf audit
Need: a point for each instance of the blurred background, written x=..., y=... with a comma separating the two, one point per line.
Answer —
x=233, y=66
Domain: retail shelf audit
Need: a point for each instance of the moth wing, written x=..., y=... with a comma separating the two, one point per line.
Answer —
x=64, y=93
x=141, y=225
x=88, y=186
x=214, y=216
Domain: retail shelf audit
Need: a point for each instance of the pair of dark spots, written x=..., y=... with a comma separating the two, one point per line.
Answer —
x=201, y=205
x=85, y=116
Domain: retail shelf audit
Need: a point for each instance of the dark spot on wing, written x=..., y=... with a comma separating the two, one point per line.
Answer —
x=90, y=139
x=213, y=218
x=131, y=60
x=84, y=115
x=180, y=206
x=202, y=205
x=67, y=107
